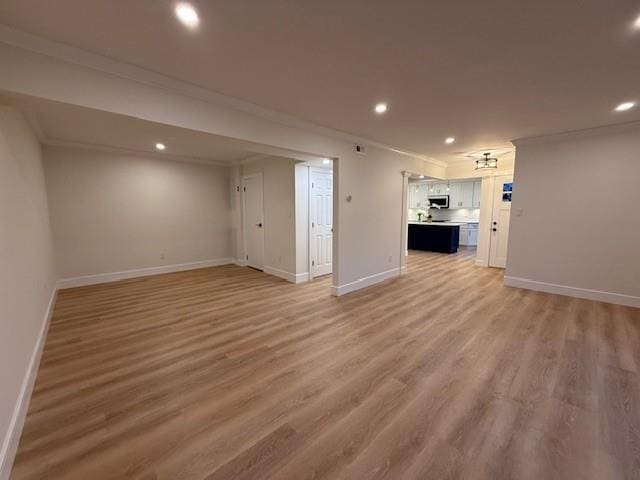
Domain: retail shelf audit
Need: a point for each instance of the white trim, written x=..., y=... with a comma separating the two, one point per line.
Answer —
x=288, y=276
x=303, y=277
x=481, y=262
x=364, y=282
x=597, y=295
x=140, y=272
x=586, y=132
x=12, y=437
x=311, y=169
x=404, y=221
x=241, y=262
x=73, y=55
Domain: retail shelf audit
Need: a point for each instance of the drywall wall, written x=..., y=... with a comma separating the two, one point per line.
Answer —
x=302, y=221
x=370, y=205
x=279, y=213
x=117, y=212
x=64, y=74
x=574, y=220
x=27, y=276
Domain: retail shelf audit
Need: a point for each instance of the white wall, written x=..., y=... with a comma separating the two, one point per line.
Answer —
x=279, y=213
x=580, y=228
x=374, y=181
x=117, y=212
x=26, y=270
x=302, y=220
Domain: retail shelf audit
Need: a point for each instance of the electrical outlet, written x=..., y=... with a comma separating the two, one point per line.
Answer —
x=390, y=258
x=162, y=256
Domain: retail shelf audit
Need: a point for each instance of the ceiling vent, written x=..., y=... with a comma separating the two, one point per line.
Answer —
x=359, y=149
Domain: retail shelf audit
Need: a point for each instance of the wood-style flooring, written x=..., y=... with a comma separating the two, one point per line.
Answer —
x=228, y=373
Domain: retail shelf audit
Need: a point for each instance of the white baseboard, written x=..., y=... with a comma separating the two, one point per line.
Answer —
x=12, y=437
x=141, y=272
x=241, y=262
x=609, y=297
x=302, y=277
x=364, y=282
x=288, y=276
x=481, y=262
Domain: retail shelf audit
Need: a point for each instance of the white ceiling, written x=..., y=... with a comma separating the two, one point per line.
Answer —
x=59, y=123
x=485, y=72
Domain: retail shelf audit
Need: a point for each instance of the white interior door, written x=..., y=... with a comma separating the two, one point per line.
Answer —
x=253, y=221
x=502, y=190
x=321, y=222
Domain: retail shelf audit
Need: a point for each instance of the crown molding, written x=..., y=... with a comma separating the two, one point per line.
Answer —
x=34, y=123
x=70, y=54
x=252, y=158
x=53, y=142
x=574, y=134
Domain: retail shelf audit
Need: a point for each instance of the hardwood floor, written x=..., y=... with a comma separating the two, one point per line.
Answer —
x=227, y=373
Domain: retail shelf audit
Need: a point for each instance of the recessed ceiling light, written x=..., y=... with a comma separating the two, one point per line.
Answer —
x=623, y=107
x=160, y=146
x=381, y=107
x=326, y=161
x=421, y=176
x=450, y=140
x=187, y=15
x=636, y=24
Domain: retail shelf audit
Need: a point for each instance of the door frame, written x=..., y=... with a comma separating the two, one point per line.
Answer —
x=244, y=215
x=494, y=195
x=311, y=168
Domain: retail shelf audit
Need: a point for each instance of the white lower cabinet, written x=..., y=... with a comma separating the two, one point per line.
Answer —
x=469, y=235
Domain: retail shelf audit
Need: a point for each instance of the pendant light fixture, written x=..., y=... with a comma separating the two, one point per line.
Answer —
x=486, y=162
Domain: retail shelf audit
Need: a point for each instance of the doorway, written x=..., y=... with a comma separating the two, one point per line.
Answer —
x=502, y=191
x=320, y=221
x=253, y=215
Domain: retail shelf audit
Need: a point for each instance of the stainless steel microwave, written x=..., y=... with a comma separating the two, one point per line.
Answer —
x=441, y=200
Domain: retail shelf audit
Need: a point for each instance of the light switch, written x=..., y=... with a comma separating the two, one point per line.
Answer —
x=519, y=212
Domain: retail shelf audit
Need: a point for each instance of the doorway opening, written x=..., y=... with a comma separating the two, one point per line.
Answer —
x=442, y=215
x=320, y=220
x=470, y=215
x=501, y=213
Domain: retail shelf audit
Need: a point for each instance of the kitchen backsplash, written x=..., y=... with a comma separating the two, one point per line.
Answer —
x=454, y=215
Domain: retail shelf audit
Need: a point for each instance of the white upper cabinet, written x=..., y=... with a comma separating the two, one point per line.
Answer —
x=418, y=193
x=455, y=195
x=438, y=189
x=422, y=195
x=477, y=185
x=462, y=194
x=467, y=195
x=413, y=195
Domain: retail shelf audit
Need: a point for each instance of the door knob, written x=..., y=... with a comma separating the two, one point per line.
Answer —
x=494, y=229
x=259, y=225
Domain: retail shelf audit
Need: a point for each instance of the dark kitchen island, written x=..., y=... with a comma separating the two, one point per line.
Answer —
x=434, y=237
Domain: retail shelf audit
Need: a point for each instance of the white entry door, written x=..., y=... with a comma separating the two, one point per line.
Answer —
x=502, y=191
x=253, y=221
x=321, y=222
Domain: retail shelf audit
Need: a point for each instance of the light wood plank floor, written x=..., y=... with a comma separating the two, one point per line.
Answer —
x=227, y=373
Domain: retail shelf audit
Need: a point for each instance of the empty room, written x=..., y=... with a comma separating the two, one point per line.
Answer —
x=319, y=240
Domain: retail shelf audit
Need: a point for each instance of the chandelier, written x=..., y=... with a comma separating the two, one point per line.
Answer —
x=486, y=162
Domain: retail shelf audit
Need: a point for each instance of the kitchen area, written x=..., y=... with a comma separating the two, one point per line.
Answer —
x=443, y=215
